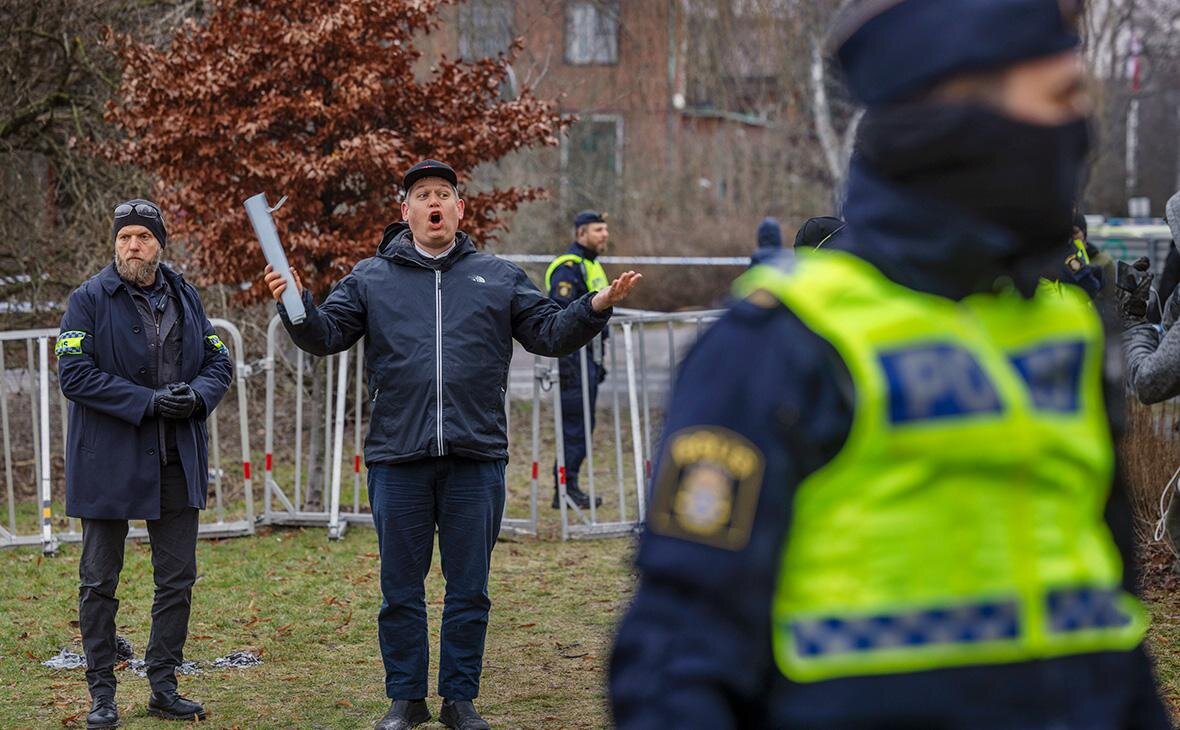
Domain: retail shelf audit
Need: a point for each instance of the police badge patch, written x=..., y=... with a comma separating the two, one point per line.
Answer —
x=708, y=486
x=564, y=289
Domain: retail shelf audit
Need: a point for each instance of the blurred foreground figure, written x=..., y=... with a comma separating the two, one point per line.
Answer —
x=887, y=492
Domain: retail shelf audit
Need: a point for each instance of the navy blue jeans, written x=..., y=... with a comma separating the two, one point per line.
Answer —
x=465, y=500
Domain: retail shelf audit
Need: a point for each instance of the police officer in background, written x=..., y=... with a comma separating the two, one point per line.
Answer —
x=887, y=493
x=569, y=277
x=142, y=368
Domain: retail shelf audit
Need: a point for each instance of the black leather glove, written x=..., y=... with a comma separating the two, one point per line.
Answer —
x=1133, y=287
x=176, y=400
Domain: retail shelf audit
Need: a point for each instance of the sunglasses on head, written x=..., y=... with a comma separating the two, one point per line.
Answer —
x=147, y=210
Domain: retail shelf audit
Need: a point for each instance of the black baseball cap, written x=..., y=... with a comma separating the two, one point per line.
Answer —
x=428, y=168
x=586, y=217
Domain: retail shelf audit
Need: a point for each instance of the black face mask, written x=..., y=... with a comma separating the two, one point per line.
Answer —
x=1022, y=177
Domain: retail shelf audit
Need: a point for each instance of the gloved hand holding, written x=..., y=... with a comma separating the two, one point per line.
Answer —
x=1133, y=287
x=176, y=400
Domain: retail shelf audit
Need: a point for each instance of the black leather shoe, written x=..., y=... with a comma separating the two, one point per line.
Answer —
x=103, y=714
x=404, y=714
x=171, y=706
x=461, y=715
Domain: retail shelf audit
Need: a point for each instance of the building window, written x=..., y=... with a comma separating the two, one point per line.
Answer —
x=486, y=28
x=591, y=32
x=592, y=163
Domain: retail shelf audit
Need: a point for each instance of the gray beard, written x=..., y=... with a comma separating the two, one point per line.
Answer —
x=139, y=273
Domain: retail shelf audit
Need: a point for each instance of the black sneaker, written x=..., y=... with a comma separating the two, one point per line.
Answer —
x=404, y=714
x=461, y=715
x=103, y=714
x=171, y=706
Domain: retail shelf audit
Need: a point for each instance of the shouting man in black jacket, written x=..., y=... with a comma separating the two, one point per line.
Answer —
x=440, y=318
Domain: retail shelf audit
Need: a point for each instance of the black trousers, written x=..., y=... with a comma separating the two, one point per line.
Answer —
x=174, y=566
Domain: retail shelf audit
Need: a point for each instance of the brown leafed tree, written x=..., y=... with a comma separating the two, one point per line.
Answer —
x=327, y=103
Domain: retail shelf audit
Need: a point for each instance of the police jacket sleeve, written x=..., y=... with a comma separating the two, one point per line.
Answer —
x=333, y=326
x=547, y=329
x=80, y=377
x=567, y=285
x=694, y=649
x=217, y=370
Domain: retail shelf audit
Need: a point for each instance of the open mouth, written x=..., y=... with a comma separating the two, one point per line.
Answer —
x=436, y=218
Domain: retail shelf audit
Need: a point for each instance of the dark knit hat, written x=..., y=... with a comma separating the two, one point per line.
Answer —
x=890, y=50
x=816, y=232
x=140, y=212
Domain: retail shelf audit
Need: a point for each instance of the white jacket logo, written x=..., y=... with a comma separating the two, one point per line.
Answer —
x=479, y=279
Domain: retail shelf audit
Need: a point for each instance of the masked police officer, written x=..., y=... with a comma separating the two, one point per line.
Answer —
x=881, y=492
x=570, y=277
x=440, y=318
x=142, y=368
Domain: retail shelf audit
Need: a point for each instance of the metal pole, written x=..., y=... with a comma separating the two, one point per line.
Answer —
x=338, y=448
x=356, y=421
x=614, y=392
x=298, y=428
x=536, y=424
x=586, y=420
x=7, y=443
x=646, y=402
x=48, y=541
x=33, y=409
x=559, y=441
x=268, y=481
x=243, y=420
x=329, y=363
x=636, y=437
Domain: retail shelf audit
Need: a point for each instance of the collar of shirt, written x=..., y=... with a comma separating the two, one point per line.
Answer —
x=434, y=256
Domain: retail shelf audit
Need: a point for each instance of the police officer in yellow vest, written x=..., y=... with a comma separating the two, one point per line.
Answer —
x=569, y=277
x=887, y=491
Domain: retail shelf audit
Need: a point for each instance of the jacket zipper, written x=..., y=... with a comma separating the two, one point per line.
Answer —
x=438, y=354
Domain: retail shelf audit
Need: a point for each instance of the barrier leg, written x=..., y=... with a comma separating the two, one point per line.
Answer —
x=614, y=392
x=587, y=419
x=335, y=528
x=9, y=490
x=48, y=541
x=636, y=436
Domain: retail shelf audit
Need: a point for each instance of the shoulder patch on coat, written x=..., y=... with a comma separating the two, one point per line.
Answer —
x=564, y=289
x=214, y=342
x=69, y=343
x=708, y=487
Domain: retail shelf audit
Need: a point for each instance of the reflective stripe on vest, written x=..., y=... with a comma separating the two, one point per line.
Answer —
x=962, y=521
x=592, y=272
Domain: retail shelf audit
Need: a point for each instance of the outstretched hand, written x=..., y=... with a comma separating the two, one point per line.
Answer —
x=277, y=285
x=618, y=290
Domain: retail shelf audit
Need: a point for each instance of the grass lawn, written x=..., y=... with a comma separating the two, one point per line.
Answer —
x=309, y=608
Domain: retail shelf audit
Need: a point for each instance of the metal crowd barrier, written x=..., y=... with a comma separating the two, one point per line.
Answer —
x=643, y=377
x=286, y=483
x=30, y=518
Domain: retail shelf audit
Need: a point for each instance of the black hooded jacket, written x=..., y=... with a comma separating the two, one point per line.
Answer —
x=439, y=340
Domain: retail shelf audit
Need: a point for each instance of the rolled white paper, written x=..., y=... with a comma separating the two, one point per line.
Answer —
x=268, y=236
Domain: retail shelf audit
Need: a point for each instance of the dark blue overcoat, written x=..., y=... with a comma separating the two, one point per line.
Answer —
x=105, y=370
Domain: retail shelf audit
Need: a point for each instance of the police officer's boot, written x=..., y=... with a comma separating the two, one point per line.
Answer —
x=580, y=498
x=404, y=714
x=103, y=714
x=169, y=705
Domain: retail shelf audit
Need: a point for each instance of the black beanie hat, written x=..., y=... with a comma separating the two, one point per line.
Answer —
x=140, y=212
